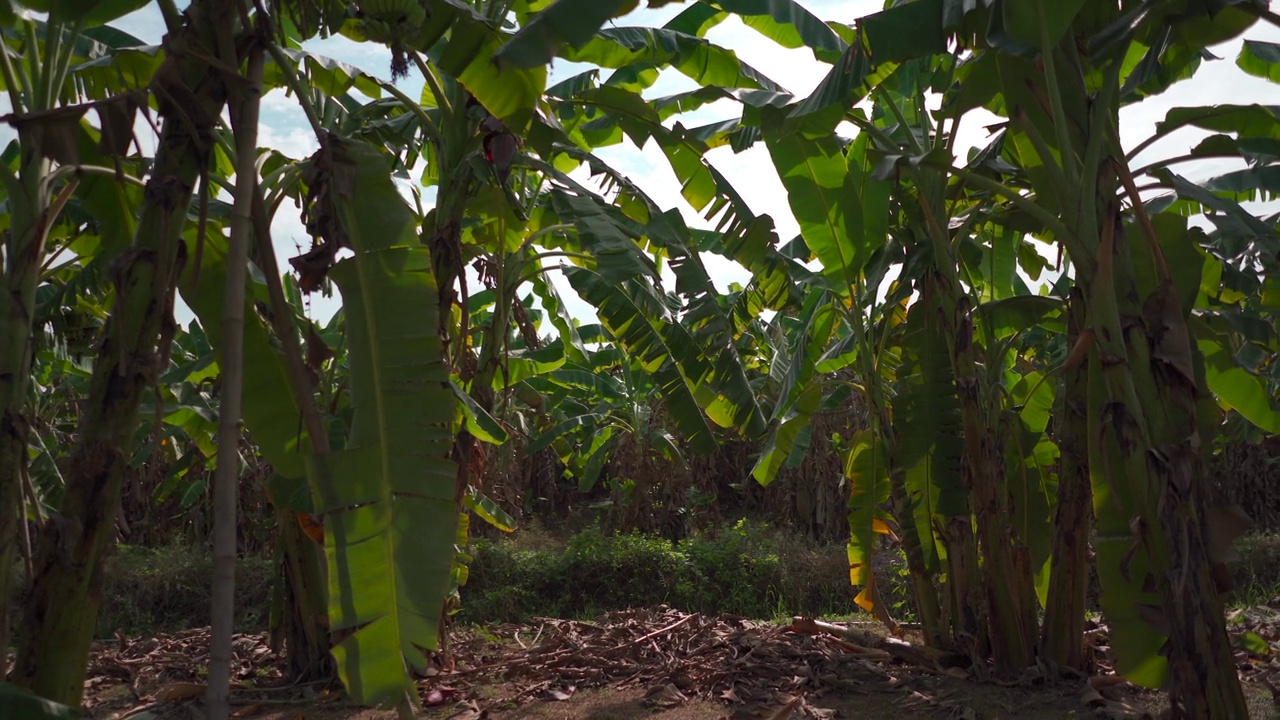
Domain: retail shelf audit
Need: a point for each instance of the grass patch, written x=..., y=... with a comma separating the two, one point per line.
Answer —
x=163, y=590
x=746, y=569
x=167, y=589
x=1255, y=573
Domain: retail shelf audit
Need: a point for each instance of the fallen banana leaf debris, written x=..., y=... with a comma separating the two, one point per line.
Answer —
x=755, y=670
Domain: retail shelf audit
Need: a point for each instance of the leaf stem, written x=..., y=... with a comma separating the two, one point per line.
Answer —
x=16, y=100
x=1069, y=168
x=1027, y=205
x=429, y=127
x=289, y=71
x=35, y=74
x=433, y=82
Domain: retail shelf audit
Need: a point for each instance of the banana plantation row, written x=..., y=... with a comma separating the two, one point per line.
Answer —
x=1047, y=345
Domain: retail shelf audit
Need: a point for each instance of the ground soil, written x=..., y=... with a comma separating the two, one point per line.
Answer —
x=656, y=663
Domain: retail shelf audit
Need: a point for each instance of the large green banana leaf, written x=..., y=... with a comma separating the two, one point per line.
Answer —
x=269, y=410
x=799, y=393
x=789, y=24
x=390, y=499
x=842, y=211
x=572, y=22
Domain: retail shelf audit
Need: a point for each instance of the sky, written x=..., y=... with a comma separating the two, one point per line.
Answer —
x=284, y=128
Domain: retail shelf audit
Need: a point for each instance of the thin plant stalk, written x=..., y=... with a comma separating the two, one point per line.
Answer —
x=244, y=119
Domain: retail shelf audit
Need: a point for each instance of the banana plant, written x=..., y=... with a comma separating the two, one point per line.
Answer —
x=889, y=39
x=37, y=59
x=1063, y=145
x=469, y=120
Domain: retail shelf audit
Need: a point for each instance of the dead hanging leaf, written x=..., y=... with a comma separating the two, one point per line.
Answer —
x=318, y=352
x=313, y=266
x=174, y=692
x=115, y=118
x=55, y=134
x=1163, y=316
x=313, y=526
x=1136, y=527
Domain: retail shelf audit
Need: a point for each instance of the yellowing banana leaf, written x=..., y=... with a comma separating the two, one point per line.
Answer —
x=389, y=500
x=866, y=468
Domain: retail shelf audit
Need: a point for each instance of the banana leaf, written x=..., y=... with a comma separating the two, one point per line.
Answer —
x=389, y=500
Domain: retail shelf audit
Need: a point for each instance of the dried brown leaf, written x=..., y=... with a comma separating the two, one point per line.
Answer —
x=115, y=117
x=179, y=691
x=665, y=696
x=55, y=134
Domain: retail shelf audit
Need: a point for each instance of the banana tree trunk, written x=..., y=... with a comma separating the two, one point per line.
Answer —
x=1062, y=635
x=1143, y=424
x=305, y=615
x=66, y=590
x=1006, y=586
x=24, y=250
x=1006, y=567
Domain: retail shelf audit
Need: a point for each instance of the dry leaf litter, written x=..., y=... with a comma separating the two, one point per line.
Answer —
x=757, y=670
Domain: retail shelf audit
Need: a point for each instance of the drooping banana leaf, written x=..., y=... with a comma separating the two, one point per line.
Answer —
x=390, y=499
x=637, y=319
x=706, y=63
x=789, y=24
x=571, y=22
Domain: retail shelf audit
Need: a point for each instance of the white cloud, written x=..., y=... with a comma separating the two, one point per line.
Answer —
x=293, y=141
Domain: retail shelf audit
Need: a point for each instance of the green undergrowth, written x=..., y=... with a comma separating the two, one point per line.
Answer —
x=747, y=569
x=167, y=589
x=1255, y=570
